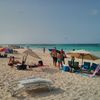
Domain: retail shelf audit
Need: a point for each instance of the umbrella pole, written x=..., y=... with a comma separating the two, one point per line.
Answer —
x=26, y=57
x=82, y=59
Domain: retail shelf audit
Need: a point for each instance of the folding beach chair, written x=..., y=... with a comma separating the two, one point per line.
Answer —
x=86, y=67
x=97, y=71
x=30, y=83
x=94, y=66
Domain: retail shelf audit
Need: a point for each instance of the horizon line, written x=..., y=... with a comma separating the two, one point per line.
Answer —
x=45, y=43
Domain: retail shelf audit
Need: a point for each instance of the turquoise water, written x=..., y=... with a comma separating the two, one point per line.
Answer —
x=67, y=47
x=93, y=48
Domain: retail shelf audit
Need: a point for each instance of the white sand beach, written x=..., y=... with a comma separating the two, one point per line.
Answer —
x=67, y=86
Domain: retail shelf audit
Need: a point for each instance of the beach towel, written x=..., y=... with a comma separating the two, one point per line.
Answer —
x=83, y=74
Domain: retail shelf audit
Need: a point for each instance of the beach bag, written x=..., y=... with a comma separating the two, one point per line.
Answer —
x=21, y=67
x=66, y=68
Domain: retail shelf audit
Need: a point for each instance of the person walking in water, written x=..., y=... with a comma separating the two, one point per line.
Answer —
x=54, y=56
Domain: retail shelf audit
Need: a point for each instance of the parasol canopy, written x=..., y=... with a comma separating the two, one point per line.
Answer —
x=83, y=54
x=2, y=49
x=31, y=53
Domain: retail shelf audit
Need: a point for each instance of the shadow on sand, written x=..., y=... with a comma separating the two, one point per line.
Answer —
x=39, y=93
x=50, y=70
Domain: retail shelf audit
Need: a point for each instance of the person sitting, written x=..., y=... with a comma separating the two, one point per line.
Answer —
x=12, y=61
x=72, y=60
x=71, y=63
x=74, y=65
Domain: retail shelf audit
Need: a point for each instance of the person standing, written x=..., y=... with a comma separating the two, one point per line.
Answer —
x=54, y=56
x=59, y=59
x=72, y=60
x=63, y=55
x=44, y=50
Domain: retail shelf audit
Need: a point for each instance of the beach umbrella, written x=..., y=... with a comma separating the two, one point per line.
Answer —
x=31, y=53
x=8, y=50
x=83, y=54
x=2, y=49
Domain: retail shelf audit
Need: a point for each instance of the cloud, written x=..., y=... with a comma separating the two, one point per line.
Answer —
x=94, y=12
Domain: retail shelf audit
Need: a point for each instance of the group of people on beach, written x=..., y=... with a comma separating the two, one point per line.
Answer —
x=58, y=57
x=21, y=65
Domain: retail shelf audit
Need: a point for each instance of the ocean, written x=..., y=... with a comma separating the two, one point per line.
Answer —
x=67, y=47
x=94, y=48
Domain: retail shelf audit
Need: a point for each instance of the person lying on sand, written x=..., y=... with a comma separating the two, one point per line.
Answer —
x=40, y=64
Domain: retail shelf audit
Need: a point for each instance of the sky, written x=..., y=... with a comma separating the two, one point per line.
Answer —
x=49, y=21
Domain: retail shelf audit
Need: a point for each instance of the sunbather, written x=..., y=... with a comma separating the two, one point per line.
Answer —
x=40, y=64
x=12, y=61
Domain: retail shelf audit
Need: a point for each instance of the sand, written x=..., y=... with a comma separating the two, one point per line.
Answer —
x=66, y=86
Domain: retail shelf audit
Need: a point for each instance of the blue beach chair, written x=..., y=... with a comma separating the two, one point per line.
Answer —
x=94, y=66
x=86, y=68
